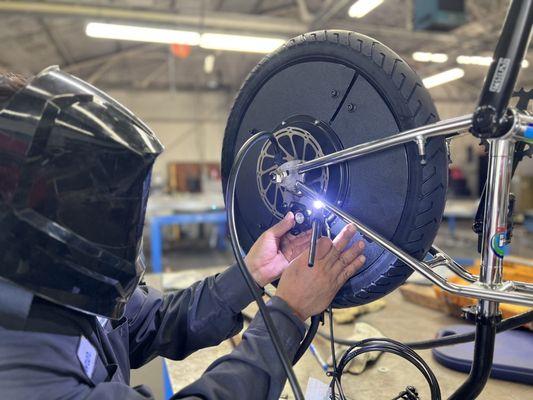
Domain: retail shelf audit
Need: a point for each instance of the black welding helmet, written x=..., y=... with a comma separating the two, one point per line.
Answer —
x=75, y=170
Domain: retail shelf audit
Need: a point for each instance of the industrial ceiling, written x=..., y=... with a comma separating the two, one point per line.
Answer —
x=35, y=34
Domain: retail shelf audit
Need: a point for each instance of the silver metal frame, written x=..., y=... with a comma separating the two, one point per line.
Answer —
x=489, y=287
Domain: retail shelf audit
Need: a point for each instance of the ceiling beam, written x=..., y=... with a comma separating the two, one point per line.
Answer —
x=233, y=22
x=303, y=11
x=328, y=12
x=101, y=59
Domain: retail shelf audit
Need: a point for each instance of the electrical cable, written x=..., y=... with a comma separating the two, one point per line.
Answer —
x=505, y=325
x=333, y=355
x=252, y=286
x=308, y=339
x=389, y=346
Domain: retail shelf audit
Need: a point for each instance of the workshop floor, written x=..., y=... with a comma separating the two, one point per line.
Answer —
x=398, y=320
x=383, y=379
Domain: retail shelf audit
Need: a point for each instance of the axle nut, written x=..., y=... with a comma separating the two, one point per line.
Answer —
x=299, y=218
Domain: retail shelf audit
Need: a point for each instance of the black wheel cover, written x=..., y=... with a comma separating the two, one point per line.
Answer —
x=328, y=76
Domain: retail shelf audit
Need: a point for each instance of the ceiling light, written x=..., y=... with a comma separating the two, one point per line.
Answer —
x=362, y=7
x=481, y=60
x=252, y=44
x=443, y=77
x=219, y=41
x=209, y=63
x=430, y=57
x=141, y=33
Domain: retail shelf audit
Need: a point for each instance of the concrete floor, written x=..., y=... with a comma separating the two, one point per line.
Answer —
x=383, y=379
x=398, y=320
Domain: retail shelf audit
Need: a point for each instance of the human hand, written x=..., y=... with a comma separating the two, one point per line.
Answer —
x=274, y=250
x=310, y=290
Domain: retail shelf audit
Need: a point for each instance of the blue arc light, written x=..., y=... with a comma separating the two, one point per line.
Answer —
x=318, y=204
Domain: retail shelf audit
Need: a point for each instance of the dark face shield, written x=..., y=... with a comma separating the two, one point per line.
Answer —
x=74, y=179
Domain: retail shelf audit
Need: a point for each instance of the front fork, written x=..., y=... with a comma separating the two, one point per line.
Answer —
x=495, y=239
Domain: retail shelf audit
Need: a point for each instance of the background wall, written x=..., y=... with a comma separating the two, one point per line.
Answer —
x=189, y=124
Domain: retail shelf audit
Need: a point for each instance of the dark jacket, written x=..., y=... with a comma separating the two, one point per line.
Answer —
x=63, y=354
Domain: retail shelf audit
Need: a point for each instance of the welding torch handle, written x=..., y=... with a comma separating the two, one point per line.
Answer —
x=315, y=233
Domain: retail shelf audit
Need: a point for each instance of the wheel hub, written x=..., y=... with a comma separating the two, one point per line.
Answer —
x=299, y=138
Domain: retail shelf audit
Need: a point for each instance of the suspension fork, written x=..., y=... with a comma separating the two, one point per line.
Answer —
x=495, y=238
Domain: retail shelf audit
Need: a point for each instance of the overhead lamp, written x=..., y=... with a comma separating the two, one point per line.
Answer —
x=219, y=41
x=481, y=60
x=362, y=7
x=443, y=77
x=422, y=56
x=250, y=44
x=141, y=34
x=209, y=63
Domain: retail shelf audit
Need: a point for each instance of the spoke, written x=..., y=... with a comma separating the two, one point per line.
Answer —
x=305, y=149
x=293, y=146
x=266, y=171
x=267, y=187
x=288, y=157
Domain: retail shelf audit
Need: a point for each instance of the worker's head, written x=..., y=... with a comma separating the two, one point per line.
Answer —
x=74, y=176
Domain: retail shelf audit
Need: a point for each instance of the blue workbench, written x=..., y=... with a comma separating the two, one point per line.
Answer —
x=158, y=222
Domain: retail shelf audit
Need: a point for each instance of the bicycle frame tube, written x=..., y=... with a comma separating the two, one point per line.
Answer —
x=493, y=247
x=450, y=126
x=490, y=119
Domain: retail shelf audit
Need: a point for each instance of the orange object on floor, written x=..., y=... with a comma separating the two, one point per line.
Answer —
x=512, y=271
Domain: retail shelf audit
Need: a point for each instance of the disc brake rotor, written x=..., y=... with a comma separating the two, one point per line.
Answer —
x=299, y=138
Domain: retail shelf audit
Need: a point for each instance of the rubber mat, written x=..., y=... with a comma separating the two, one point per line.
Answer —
x=513, y=356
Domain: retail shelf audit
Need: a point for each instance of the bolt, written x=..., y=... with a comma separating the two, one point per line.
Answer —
x=351, y=107
x=334, y=93
x=299, y=217
x=316, y=122
x=284, y=206
x=283, y=123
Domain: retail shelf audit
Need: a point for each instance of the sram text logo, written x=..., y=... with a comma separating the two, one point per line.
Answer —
x=499, y=74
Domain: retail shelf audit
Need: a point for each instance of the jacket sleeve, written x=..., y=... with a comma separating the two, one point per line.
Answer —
x=252, y=370
x=176, y=324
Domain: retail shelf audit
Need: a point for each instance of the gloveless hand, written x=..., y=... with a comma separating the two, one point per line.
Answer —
x=310, y=290
x=274, y=250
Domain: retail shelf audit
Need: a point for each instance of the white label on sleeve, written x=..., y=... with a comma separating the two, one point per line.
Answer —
x=316, y=390
x=87, y=356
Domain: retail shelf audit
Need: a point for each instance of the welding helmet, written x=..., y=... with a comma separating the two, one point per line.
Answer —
x=75, y=170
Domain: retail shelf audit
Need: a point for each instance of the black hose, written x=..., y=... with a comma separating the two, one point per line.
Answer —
x=308, y=339
x=252, y=286
x=394, y=347
x=505, y=325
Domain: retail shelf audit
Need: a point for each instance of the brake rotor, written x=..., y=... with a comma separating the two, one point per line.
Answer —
x=299, y=138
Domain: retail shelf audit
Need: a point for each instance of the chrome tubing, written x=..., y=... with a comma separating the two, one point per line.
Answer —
x=418, y=135
x=442, y=259
x=501, y=152
x=477, y=290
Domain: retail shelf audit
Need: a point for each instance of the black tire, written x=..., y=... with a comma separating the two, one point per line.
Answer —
x=391, y=191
